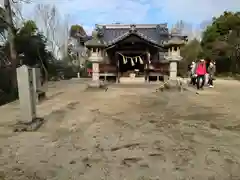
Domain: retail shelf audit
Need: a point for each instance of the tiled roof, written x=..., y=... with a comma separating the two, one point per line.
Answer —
x=153, y=33
x=141, y=35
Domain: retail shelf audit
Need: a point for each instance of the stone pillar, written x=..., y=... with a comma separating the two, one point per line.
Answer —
x=36, y=81
x=95, y=72
x=27, y=93
x=96, y=47
x=172, y=70
x=96, y=59
x=147, y=67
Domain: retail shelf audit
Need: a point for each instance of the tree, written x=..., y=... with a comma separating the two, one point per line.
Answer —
x=77, y=52
x=7, y=23
x=233, y=42
x=220, y=42
x=190, y=52
x=16, y=7
x=77, y=31
x=54, y=28
x=29, y=28
x=8, y=20
x=32, y=45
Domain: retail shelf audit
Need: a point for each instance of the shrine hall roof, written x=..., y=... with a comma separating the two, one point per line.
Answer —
x=154, y=33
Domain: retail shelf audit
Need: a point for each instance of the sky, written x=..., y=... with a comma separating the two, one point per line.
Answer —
x=196, y=14
x=91, y=12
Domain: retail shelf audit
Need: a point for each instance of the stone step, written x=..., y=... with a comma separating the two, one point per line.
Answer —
x=129, y=80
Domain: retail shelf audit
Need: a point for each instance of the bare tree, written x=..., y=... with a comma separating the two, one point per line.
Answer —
x=17, y=13
x=65, y=36
x=188, y=30
x=53, y=26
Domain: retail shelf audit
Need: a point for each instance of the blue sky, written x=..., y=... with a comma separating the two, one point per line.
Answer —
x=90, y=12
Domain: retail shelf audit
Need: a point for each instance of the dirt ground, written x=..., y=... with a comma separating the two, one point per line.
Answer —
x=126, y=133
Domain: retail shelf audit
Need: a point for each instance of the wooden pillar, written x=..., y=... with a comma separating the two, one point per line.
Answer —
x=105, y=76
x=117, y=67
x=147, y=69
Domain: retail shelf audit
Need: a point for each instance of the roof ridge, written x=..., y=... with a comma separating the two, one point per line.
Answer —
x=118, y=26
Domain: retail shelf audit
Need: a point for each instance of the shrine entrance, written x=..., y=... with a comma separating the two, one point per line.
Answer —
x=132, y=55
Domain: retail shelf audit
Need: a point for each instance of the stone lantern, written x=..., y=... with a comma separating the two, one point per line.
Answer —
x=96, y=47
x=173, y=56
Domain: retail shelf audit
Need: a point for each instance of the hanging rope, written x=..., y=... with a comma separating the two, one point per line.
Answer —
x=132, y=59
x=138, y=58
x=132, y=62
x=124, y=58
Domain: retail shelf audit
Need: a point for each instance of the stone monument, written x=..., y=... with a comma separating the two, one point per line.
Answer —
x=96, y=47
x=28, y=83
x=27, y=93
x=173, y=56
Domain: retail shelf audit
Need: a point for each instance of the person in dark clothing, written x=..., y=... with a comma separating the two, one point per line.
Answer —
x=192, y=74
x=211, y=72
x=193, y=80
x=200, y=81
x=210, y=82
x=189, y=67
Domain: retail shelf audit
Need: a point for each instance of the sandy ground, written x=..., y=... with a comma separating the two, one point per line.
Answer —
x=126, y=133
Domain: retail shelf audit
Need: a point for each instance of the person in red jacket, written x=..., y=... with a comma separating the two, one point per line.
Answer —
x=201, y=72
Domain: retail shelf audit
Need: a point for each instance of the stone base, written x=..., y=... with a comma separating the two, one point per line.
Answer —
x=34, y=125
x=177, y=85
x=96, y=84
x=129, y=80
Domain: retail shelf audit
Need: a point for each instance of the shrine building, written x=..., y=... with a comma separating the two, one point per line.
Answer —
x=143, y=51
